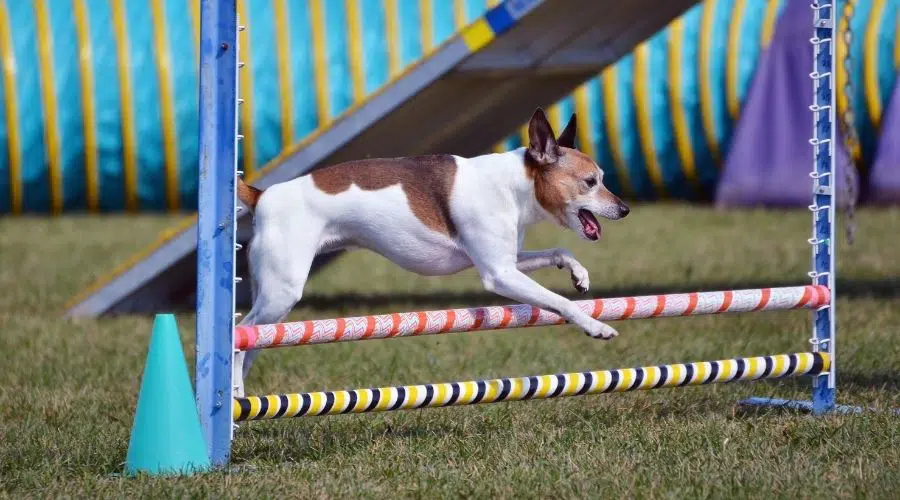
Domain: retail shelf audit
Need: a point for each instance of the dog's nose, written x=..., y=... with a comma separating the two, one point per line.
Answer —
x=624, y=210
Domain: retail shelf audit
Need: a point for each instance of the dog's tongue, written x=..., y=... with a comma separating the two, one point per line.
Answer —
x=589, y=224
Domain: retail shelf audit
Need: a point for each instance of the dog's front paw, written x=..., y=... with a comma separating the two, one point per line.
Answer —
x=580, y=279
x=600, y=330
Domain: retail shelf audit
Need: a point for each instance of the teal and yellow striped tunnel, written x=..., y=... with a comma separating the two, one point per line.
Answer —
x=99, y=103
x=662, y=117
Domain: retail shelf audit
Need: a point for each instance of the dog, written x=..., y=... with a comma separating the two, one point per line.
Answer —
x=432, y=215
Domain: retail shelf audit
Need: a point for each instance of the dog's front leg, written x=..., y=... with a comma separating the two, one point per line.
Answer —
x=514, y=284
x=559, y=257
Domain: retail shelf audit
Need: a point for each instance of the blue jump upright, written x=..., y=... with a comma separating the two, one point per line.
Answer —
x=216, y=242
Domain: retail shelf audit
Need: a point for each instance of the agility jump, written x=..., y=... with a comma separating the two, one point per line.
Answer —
x=408, y=324
x=524, y=388
x=217, y=338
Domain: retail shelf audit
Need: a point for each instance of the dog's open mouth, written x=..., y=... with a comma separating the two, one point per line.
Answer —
x=589, y=225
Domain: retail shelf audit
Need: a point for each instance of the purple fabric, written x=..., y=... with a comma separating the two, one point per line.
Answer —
x=769, y=159
x=884, y=178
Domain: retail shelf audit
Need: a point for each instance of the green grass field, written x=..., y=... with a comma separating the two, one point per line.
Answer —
x=68, y=387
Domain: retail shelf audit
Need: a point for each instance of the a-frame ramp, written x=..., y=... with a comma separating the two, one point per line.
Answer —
x=461, y=99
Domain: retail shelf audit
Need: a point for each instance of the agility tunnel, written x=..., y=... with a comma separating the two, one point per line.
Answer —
x=100, y=111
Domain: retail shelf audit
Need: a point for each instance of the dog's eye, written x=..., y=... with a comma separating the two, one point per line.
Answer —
x=591, y=181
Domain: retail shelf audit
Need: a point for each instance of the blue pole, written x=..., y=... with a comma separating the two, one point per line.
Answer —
x=216, y=224
x=824, y=194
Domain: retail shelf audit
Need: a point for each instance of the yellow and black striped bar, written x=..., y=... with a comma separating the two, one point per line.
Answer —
x=524, y=388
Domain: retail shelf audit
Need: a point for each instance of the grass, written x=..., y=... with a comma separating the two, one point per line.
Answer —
x=68, y=387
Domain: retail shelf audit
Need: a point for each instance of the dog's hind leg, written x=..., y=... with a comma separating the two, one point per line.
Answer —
x=267, y=309
x=280, y=270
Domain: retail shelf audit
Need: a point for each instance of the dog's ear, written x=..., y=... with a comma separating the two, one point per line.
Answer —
x=567, y=138
x=543, y=147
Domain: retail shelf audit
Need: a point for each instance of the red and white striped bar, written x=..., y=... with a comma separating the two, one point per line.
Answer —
x=408, y=324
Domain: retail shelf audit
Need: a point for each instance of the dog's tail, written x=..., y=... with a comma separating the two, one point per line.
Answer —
x=248, y=195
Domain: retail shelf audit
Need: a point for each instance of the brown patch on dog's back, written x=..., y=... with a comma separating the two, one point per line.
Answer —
x=427, y=182
x=555, y=185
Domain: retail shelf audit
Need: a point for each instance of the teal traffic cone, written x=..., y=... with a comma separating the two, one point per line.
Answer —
x=166, y=437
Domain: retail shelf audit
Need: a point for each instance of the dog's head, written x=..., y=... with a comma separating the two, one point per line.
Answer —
x=567, y=183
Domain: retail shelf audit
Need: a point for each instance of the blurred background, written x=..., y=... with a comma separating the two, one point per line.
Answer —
x=99, y=100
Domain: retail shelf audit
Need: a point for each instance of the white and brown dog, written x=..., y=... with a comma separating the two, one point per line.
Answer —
x=433, y=215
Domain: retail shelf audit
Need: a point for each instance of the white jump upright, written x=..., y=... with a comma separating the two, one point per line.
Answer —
x=217, y=338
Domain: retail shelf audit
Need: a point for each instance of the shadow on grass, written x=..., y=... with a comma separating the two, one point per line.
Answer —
x=292, y=443
x=879, y=380
x=871, y=288
x=184, y=301
x=848, y=382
